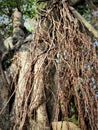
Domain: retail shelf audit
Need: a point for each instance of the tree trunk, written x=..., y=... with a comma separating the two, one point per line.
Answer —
x=4, y=93
x=55, y=73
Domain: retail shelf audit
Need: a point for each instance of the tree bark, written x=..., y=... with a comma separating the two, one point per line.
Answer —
x=4, y=95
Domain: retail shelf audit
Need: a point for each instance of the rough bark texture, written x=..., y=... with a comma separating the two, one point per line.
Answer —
x=38, y=98
x=4, y=93
x=24, y=63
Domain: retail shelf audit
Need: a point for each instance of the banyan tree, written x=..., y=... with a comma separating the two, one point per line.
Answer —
x=49, y=78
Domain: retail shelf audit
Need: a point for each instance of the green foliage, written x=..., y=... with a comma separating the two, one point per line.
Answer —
x=83, y=10
x=6, y=64
x=27, y=7
x=8, y=5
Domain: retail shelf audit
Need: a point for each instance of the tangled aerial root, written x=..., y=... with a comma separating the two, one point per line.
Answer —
x=75, y=63
x=70, y=67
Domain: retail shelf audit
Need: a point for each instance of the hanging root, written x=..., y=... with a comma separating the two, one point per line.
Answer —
x=68, y=73
x=72, y=56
